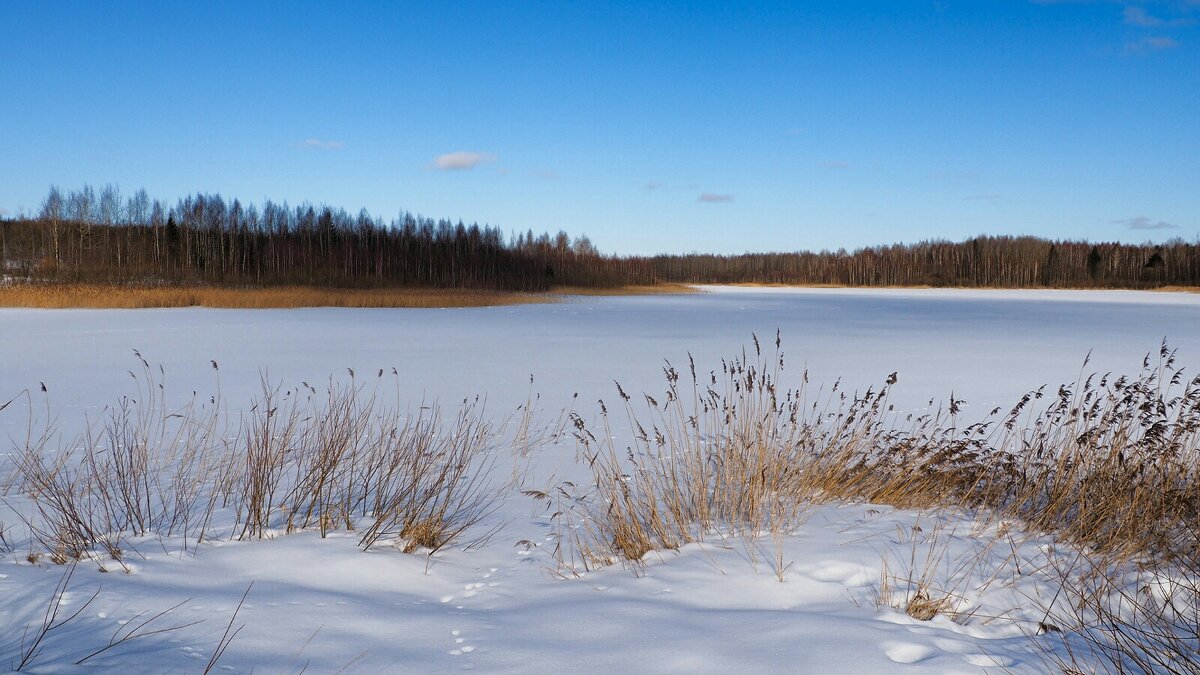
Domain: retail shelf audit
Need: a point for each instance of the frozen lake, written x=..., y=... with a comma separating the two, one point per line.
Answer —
x=988, y=347
x=715, y=606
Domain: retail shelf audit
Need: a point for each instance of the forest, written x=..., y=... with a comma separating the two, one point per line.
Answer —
x=101, y=236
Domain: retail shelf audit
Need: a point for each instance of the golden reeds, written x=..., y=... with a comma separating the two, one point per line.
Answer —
x=104, y=296
x=656, y=289
x=297, y=460
x=1109, y=465
x=1109, y=462
x=114, y=296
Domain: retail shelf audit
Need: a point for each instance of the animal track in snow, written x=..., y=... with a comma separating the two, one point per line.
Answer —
x=462, y=648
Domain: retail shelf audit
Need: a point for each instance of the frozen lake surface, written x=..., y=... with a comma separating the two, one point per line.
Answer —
x=988, y=347
x=708, y=608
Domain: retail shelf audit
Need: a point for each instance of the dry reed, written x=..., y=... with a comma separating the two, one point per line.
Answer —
x=113, y=296
x=1109, y=462
x=297, y=460
x=1108, y=465
x=656, y=289
x=103, y=296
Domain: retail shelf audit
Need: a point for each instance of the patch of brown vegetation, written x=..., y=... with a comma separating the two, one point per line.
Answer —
x=656, y=289
x=104, y=296
x=780, y=284
x=113, y=296
x=1108, y=463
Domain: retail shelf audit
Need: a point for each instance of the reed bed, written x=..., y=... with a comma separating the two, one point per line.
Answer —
x=301, y=459
x=115, y=296
x=1108, y=462
x=106, y=296
x=636, y=289
x=1109, y=465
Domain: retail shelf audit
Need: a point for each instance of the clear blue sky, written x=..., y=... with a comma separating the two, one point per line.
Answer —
x=679, y=127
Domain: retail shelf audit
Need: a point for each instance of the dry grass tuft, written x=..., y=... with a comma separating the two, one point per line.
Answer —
x=1109, y=465
x=297, y=460
x=1108, y=462
x=342, y=460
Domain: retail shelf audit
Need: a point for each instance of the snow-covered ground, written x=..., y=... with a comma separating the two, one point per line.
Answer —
x=715, y=606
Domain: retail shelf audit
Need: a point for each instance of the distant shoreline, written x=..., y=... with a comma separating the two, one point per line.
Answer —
x=1157, y=289
x=115, y=296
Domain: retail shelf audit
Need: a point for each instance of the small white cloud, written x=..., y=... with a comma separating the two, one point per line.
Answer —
x=545, y=174
x=1144, y=223
x=653, y=185
x=461, y=160
x=836, y=164
x=322, y=145
x=1156, y=43
x=3, y=213
x=1136, y=16
x=712, y=198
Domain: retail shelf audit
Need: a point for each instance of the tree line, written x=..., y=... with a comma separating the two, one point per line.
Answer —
x=87, y=235
x=100, y=236
x=981, y=262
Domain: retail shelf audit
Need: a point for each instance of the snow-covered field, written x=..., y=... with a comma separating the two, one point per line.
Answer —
x=325, y=605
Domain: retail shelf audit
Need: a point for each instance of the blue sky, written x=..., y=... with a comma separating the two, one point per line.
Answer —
x=651, y=127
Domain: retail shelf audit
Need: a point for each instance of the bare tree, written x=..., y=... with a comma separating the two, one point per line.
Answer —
x=52, y=215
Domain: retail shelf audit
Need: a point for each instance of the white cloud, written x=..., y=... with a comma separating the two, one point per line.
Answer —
x=322, y=145
x=1156, y=43
x=545, y=174
x=713, y=198
x=1136, y=16
x=1144, y=223
x=461, y=160
x=3, y=213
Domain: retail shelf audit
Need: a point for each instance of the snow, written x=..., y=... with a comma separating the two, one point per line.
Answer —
x=716, y=606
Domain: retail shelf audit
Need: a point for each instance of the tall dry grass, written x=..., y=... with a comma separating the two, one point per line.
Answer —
x=338, y=459
x=112, y=296
x=1124, y=616
x=1109, y=462
x=101, y=296
x=731, y=451
x=140, y=470
x=663, y=288
x=1109, y=465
